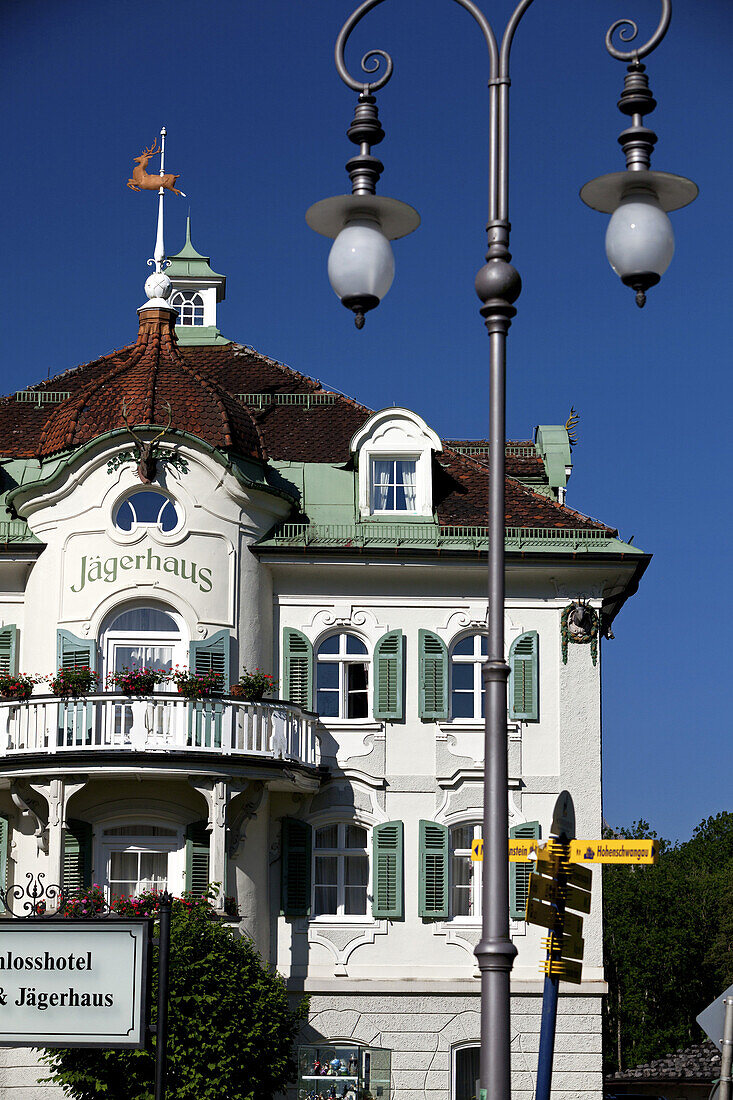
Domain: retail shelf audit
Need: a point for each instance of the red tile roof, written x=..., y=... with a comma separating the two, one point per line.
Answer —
x=201, y=384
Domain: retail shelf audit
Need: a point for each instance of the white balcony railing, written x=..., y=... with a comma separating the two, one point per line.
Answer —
x=158, y=723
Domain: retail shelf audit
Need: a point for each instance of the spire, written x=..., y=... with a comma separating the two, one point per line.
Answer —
x=197, y=289
x=157, y=286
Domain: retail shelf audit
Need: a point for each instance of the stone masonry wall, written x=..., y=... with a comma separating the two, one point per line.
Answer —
x=421, y=1032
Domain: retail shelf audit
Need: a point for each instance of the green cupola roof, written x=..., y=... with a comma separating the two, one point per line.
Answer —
x=190, y=264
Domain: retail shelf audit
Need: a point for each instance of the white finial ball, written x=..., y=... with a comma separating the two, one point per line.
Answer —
x=158, y=285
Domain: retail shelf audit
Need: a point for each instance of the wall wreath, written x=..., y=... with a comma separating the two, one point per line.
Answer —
x=579, y=624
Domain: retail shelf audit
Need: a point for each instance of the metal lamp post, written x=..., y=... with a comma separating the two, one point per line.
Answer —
x=639, y=245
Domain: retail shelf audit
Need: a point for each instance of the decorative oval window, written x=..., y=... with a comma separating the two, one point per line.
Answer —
x=147, y=508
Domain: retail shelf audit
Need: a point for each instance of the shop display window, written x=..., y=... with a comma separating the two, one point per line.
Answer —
x=342, y=1071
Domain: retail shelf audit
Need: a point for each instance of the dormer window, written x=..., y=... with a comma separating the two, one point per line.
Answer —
x=190, y=306
x=394, y=456
x=393, y=484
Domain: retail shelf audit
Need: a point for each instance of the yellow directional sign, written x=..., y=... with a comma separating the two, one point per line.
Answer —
x=613, y=851
x=564, y=969
x=566, y=947
x=548, y=917
x=548, y=889
x=520, y=851
x=582, y=877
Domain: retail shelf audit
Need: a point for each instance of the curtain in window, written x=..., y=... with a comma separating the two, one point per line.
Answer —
x=381, y=470
x=408, y=481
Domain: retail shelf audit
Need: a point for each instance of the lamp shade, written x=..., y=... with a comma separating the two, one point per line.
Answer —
x=361, y=261
x=639, y=238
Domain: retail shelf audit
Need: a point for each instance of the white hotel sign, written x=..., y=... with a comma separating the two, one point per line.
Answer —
x=74, y=984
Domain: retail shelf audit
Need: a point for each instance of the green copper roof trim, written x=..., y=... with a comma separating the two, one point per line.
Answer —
x=193, y=335
x=16, y=530
x=189, y=262
x=229, y=462
x=431, y=536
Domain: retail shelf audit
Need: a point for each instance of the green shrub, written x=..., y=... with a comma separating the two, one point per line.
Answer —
x=230, y=1033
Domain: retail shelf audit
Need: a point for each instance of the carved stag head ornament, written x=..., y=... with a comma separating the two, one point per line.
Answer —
x=146, y=451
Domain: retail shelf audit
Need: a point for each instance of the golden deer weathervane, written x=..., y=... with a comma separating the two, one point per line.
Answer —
x=143, y=181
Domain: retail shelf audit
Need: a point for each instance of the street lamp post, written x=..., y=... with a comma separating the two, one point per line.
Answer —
x=639, y=245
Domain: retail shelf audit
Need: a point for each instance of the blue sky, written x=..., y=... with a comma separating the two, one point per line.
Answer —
x=256, y=118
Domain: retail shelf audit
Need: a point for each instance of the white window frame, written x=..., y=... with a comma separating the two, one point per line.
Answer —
x=173, y=846
x=477, y=660
x=181, y=298
x=139, y=526
x=110, y=638
x=340, y=854
x=476, y=873
x=394, y=459
x=342, y=659
x=396, y=434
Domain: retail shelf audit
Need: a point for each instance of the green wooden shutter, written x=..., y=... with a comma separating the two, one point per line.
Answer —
x=73, y=652
x=523, y=677
x=197, y=857
x=388, y=676
x=387, y=876
x=433, y=676
x=8, y=650
x=297, y=668
x=211, y=655
x=433, y=874
x=519, y=872
x=77, y=858
x=4, y=848
x=295, y=882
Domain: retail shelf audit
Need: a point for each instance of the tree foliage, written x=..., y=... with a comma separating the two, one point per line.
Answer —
x=231, y=1030
x=668, y=941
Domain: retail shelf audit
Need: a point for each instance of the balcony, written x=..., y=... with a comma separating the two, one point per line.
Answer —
x=160, y=723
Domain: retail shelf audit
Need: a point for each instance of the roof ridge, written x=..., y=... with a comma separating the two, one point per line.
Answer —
x=315, y=382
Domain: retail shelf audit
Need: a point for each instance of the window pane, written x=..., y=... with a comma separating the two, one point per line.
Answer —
x=123, y=866
x=125, y=517
x=462, y=870
x=329, y=645
x=484, y=645
x=358, y=704
x=463, y=677
x=326, y=870
x=144, y=619
x=462, y=704
x=147, y=506
x=327, y=837
x=327, y=704
x=356, y=870
x=140, y=830
x=327, y=675
x=355, y=900
x=356, y=677
x=461, y=901
x=404, y=470
x=467, y=1073
x=356, y=837
x=324, y=900
x=461, y=836
x=168, y=518
x=153, y=869
x=354, y=645
x=464, y=647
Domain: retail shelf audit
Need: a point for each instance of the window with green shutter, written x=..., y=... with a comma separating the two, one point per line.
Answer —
x=4, y=849
x=433, y=676
x=8, y=650
x=387, y=875
x=519, y=872
x=295, y=881
x=523, y=677
x=77, y=855
x=197, y=857
x=433, y=872
x=388, y=676
x=211, y=655
x=73, y=652
x=297, y=668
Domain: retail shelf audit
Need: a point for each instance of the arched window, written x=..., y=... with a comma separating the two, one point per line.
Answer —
x=190, y=306
x=340, y=870
x=143, y=637
x=147, y=508
x=342, y=677
x=465, y=873
x=468, y=698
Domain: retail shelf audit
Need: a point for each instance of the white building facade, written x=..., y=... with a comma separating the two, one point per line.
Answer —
x=288, y=528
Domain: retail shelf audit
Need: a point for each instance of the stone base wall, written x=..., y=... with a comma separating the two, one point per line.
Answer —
x=421, y=1032
x=20, y=1070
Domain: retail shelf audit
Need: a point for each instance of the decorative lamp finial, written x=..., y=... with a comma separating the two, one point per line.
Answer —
x=158, y=286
